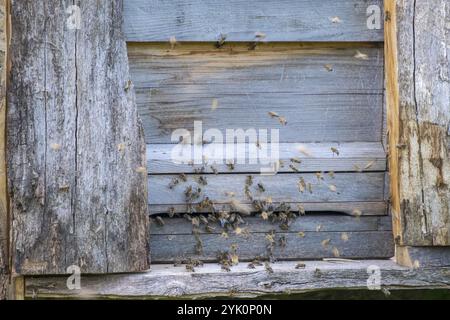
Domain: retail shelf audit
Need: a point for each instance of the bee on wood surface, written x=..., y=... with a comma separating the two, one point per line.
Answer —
x=300, y=266
x=296, y=160
x=325, y=243
x=160, y=221
x=301, y=185
x=301, y=210
x=319, y=176
x=331, y=174
x=183, y=177
x=173, y=183
x=261, y=187
x=214, y=170
x=282, y=242
x=230, y=166
x=268, y=267
x=293, y=168
x=344, y=236
x=361, y=56
x=202, y=181
x=328, y=67
x=249, y=181
x=336, y=252
x=335, y=151
x=171, y=212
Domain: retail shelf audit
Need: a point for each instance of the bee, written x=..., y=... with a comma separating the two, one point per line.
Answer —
x=195, y=221
x=230, y=194
x=268, y=267
x=171, y=212
x=319, y=228
x=251, y=266
x=160, y=221
x=300, y=266
x=239, y=207
x=226, y=268
x=310, y=188
x=328, y=67
x=190, y=268
x=221, y=41
x=344, y=236
x=335, y=151
x=293, y=168
x=274, y=114
x=336, y=252
x=215, y=104
x=296, y=160
x=317, y=273
x=331, y=174
x=199, y=170
x=260, y=35
x=332, y=188
x=128, y=85
x=387, y=16
x=304, y=150
x=249, y=181
x=319, y=176
x=369, y=165
x=301, y=185
x=182, y=177
x=173, y=42
x=202, y=181
x=265, y=215
x=173, y=183
x=203, y=219
x=282, y=241
x=214, y=170
x=301, y=234
x=361, y=56
x=261, y=187
x=301, y=210
x=357, y=213
x=209, y=229
x=283, y=121
x=335, y=19
x=357, y=168
x=230, y=166
x=252, y=45
x=325, y=243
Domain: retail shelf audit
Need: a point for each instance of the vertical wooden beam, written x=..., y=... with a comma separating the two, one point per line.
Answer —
x=4, y=221
x=76, y=152
x=417, y=53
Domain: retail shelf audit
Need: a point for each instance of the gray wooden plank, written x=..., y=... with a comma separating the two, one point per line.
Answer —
x=239, y=20
x=367, y=186
x=177, y=87
x=309, y=223
x=424, y=257
x=360, y=245
x=368, y=208
x=357, y=156
x=167, y=281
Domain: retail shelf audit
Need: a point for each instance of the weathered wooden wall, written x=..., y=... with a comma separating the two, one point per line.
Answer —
x=4, y=229
x=418, y=95
x=77, y=175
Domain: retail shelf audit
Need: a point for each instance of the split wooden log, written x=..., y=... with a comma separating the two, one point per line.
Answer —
x=76, y=159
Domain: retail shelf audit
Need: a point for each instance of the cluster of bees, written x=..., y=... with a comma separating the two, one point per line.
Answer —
x=230, y=217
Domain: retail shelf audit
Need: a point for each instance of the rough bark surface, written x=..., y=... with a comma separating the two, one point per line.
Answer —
x=77, y=177
x=420, y=162
x=4, y=268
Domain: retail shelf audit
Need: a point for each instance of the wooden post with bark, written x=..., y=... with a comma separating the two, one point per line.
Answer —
x=76, y=150
x=417, y=38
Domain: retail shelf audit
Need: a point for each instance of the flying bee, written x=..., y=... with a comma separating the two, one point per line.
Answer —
x=357, y=168
x=334, y=151
x=221, y=41
x=274, y=114
x=328, y=67
x=173, y=42
x=282, y=120
x=361, y=56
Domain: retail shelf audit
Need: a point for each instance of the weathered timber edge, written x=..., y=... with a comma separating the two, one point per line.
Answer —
x=166, y=281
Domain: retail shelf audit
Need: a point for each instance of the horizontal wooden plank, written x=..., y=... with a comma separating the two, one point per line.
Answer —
x=359, y=245
x=239, y=20
x=353, y=187
x=316, y=157
x=308, y=223
x=210, y=281
x=324, y=92
x=377, y=208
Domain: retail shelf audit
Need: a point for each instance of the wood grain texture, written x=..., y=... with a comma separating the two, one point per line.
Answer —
x=324, y=92
x=361, y=245
x=76, y=146
x=210, y=281
x=4, y=221
x=423, y=257
x=363, y=237
x=239, y=20
x=357, y=156
x=419, y=117
x=350, y=187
